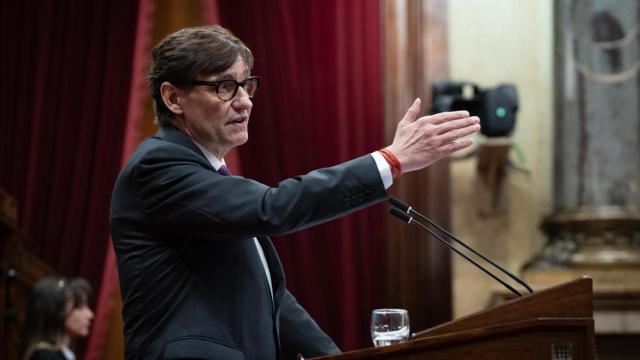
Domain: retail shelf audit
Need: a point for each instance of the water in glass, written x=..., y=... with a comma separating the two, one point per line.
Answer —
x=389, y=326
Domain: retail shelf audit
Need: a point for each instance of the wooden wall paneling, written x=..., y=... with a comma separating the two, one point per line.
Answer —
x=414, y=55
x=169, y=16
x=19, y=271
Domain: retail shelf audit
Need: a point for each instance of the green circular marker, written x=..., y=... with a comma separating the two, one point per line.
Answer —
x=501, y=112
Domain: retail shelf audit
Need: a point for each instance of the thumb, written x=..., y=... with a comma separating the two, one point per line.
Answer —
x=412, y=113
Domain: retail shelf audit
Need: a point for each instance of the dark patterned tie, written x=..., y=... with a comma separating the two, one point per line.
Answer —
x=224, y=171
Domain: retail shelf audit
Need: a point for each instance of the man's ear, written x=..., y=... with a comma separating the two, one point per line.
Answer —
x=170, y=95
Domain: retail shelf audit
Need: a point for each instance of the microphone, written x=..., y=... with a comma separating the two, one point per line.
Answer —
x=402, y=211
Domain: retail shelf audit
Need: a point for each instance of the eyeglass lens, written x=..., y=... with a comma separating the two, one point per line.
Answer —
x=227, y=89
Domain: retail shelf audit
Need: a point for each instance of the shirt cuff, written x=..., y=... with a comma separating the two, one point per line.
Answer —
x=383, y=168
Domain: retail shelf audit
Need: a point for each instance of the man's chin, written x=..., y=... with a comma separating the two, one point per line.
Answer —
x=240, y=139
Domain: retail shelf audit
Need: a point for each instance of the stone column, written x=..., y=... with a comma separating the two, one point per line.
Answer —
x=596, y=220
x=594, y=228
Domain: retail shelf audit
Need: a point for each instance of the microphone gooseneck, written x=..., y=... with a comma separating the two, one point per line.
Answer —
x=402, y=211
x=400, y=215
x=395, y=202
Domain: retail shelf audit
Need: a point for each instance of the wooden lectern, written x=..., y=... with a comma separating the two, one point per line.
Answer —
x=554, y=324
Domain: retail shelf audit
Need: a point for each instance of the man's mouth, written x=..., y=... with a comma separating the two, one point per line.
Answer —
x=239, y=120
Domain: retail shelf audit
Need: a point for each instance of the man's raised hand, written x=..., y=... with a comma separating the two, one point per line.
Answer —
x=419, y=142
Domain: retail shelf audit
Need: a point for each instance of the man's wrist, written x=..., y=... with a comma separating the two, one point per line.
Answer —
x=383, y=168
x=394, y=163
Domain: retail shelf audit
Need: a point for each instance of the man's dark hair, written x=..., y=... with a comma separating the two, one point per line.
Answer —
x=181, y=56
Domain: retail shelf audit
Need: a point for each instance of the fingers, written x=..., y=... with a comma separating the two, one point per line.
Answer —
x=444, y=117
x=454, y=125
x=412, y=113
x=453, y=131
x=460, y=133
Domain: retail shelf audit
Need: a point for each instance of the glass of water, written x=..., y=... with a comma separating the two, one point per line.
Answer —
x=389, y=326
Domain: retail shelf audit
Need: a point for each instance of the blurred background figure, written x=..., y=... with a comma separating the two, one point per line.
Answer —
x=58, y=313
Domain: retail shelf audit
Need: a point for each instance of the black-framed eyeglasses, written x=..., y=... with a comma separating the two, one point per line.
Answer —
x=227, y=89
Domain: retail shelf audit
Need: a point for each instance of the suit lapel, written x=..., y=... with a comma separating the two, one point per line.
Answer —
x=275, y=268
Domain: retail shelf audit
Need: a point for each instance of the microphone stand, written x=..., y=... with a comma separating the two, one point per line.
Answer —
x=402, y=211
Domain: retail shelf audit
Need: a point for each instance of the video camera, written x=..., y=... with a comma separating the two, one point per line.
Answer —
x=496, y=107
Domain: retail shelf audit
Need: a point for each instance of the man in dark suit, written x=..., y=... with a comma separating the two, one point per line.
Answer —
x=199, y=276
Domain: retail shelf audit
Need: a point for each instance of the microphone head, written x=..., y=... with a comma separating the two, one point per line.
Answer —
x=399, y=204
x=400, y=214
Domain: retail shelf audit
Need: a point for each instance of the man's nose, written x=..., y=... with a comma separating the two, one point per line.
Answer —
x=242, y=99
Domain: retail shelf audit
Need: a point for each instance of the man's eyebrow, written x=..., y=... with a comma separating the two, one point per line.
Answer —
x=228, y=76
x=224, y=77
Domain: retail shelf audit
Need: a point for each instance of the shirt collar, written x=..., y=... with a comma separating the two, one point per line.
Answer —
x=213, y=160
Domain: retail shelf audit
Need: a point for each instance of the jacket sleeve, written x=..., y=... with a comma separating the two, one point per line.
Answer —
x=177, y=192
x=300, y=334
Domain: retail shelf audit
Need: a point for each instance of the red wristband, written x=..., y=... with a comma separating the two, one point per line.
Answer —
x=393, y=161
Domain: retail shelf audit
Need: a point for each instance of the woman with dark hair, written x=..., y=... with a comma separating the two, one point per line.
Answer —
x=58, y=312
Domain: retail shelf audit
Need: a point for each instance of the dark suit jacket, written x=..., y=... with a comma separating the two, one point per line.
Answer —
x=192, y=283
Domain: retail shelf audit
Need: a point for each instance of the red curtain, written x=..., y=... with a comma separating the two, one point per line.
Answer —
x=66, y=77
x=132, y=135
x=320, y=104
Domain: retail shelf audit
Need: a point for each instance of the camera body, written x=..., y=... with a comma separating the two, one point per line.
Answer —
x=496, y=107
